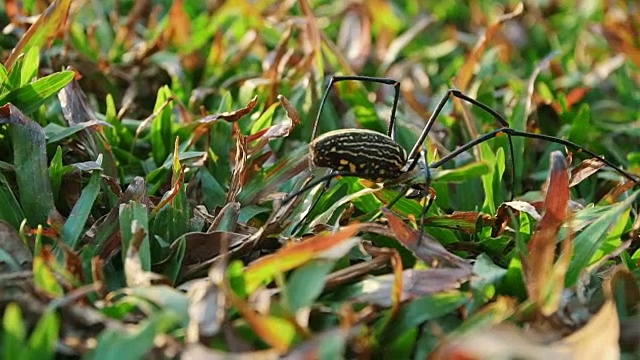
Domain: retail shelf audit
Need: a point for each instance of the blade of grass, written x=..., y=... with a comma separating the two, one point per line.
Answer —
x=30, y=161
x=75, y=224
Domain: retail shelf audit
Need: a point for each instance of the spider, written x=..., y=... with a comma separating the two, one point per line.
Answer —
x=378, y=157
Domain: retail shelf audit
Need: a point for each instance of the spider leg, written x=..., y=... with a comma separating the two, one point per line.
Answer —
x=458, y=94
x=391, y=131
x=513, y=132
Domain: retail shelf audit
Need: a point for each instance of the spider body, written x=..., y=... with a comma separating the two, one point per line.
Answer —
x=364, y=153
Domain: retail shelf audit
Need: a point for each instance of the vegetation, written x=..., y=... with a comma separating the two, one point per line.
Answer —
x=146, y=148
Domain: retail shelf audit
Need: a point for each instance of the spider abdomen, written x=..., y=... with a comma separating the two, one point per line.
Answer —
x=364, y=153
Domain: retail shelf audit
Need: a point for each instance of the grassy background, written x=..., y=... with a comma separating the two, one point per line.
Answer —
x=145, y=148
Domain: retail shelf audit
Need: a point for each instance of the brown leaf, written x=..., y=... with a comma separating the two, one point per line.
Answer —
x=353, y=272
x=378, y=290
x=240, y=167
x=203, y=247
x=427, y=249
x=76, y=110
x=275, y=131
x=541, y=248
x=612, y=196
x=229, y=116
x=397, y=287
x=504, y=212
x=503, y=341
x=586, y=168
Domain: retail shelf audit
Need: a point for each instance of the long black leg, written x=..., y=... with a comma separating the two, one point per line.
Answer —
x=513, y=132
x=413, y=155
x=391, y=131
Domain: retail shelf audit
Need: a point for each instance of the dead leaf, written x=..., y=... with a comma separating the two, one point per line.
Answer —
x=238, y=174
x=203, y=247
x=586, y=168
x=76, y=110
x=397, y=287
x=204, y=123
x=509, y=208
x=378, y=290
x=427, y=249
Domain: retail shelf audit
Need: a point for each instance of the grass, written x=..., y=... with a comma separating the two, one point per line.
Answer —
x=144, y=159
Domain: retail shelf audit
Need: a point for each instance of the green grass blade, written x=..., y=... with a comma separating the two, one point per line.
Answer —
x=30, y=161
x=74, y=226
x=29, y=98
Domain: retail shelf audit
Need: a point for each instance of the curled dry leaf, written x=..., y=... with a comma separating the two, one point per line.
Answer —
x=417, y=283
x=238, y=174
x=202, y=248
x=203, y=124
x=276, y=131
x=598, y=339
x=586, y=168
x=397, y=286
x=509, y=208
x=427, y=249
